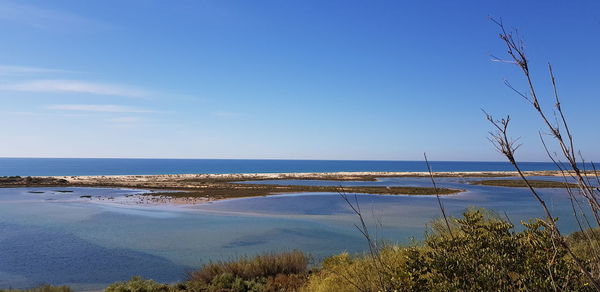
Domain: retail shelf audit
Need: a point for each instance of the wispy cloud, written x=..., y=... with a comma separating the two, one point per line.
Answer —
x=104, y=108
x=27, y=70
x=44, y=18
x=75, y=86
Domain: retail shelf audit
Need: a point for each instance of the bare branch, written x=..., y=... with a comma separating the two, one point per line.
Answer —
x=437, y=195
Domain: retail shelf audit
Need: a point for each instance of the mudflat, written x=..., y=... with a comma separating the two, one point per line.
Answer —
x=223, y=186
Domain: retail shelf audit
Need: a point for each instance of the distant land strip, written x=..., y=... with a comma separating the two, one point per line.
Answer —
x=222, y=186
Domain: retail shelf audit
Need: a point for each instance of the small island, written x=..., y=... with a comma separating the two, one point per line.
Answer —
x=210, y=187
x=196, y=188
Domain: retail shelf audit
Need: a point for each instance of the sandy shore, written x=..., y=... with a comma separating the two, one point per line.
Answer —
x=188, y=189
x=339, y=176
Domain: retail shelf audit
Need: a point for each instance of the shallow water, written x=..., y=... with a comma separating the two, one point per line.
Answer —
x=59, y=238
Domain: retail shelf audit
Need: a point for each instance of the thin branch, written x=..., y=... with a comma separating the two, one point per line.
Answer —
x=437, y=195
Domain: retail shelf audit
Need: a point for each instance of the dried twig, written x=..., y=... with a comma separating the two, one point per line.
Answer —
x=507, y=147
x=437, y=195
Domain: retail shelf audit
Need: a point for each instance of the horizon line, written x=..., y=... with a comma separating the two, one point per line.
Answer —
x=282, y=159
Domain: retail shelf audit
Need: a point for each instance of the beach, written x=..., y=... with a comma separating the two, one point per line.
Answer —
x=190, y=189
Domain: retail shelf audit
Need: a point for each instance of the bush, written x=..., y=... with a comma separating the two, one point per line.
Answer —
x=482, y=253
x=345, y=273
x=485, y=253
x=43, y=288
x=271, y=272
x=585, y=244
x=138, y=284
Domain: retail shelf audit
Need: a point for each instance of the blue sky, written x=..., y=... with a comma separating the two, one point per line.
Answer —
x=285, y=79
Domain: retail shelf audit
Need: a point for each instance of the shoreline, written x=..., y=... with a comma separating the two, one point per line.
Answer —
x=192, y=189
x=335, y=176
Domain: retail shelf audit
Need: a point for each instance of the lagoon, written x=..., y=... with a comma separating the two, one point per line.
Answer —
x=53, y=237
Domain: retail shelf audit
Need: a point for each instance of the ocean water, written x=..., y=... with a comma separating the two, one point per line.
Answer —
x=52, y=236
x=103, y=166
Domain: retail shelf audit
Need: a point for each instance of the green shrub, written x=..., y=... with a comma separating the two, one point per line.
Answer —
x=485, y=253
x=482, y=253
x=586, y=244
x=346, y=273
x=138, y=284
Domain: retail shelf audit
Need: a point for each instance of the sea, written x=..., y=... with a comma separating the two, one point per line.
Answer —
x=116, y=166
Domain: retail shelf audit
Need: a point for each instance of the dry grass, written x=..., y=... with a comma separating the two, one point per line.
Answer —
x=261, y=266
x=43, y=288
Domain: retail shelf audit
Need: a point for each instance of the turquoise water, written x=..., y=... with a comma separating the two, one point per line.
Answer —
x=105, y=166
x=59, y=238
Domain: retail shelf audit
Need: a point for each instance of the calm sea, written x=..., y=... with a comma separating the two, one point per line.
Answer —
x=103, y=166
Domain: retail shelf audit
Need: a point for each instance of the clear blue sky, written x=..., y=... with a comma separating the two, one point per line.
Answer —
x=285, y=79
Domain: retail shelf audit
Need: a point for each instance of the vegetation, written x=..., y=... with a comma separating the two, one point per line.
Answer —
x=13, y=181
x=139, y=284
x=476, y=252
x=518, y=183
x=586, y=245
x=43, y=288
x=482, y=253
x=269, y=273
x=253, y=190
x=585, y=197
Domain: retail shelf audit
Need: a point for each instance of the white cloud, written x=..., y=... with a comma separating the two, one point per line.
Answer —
x=104, y=108
x=25, y=70
x=75, y=86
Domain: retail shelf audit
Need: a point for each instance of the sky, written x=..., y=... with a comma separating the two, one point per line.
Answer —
x=272, y=79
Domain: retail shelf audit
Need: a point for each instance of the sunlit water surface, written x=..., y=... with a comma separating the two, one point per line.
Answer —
x=49, y=236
